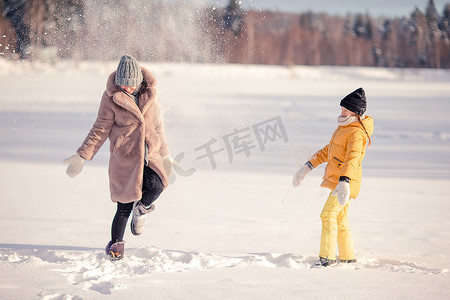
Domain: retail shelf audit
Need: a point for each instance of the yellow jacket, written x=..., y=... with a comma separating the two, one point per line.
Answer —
x=344, y=155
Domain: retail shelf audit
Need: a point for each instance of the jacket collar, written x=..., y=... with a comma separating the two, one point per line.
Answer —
x=368, y=124
x=146, y=100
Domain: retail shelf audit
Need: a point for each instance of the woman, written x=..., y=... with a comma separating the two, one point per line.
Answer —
x=130, y=116
x=343, y=173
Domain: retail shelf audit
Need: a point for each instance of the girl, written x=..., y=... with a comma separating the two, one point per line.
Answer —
x=130, y=116
x=343, y=155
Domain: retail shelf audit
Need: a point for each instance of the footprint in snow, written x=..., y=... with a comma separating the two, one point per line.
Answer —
x=92, y=270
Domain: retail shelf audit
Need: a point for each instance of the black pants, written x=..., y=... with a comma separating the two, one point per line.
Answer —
x=152, y=187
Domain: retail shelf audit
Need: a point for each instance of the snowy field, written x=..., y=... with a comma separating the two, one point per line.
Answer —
x=230, y=226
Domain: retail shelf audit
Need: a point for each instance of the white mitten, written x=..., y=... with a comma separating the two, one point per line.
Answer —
x=342, y=191
x=75, y=167
x=301, y=173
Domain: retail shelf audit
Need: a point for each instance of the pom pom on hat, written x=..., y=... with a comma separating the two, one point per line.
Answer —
x=355, y=102
x=128, y=72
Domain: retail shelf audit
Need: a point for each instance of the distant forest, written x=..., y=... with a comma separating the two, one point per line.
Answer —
x=158, y=31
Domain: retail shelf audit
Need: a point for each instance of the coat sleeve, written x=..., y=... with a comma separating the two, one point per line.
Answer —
x=159, y=127
x=352, y=160
x=319, y=157
x=100, y=130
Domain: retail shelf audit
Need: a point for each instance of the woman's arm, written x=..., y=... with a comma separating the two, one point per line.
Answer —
x=100, y=129
x=159, y=127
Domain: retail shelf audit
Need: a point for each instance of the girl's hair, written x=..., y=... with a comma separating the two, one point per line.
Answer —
x=359, y=120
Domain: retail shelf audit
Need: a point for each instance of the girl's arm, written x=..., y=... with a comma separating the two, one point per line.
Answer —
x=319, y=157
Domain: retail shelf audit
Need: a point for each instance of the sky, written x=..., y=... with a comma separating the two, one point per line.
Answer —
x=373, y=7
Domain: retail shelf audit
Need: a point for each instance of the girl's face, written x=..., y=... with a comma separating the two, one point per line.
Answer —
x=346, y=113
x=129, y=89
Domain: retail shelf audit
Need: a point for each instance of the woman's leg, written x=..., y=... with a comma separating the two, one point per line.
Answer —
x=329, y=235
x=152, y=187
x=120, y=221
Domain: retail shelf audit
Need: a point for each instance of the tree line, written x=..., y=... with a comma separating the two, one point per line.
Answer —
x=163, y=31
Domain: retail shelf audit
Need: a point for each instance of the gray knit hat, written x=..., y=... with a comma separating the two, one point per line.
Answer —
x=128, y=72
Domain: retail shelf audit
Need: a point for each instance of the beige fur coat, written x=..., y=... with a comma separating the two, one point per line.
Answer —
x=128, y=127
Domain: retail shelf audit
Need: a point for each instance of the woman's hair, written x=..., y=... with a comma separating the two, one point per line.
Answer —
x=144, y=87
x=359, y=120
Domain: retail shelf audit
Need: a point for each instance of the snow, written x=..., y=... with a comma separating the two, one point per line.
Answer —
x=238, y=230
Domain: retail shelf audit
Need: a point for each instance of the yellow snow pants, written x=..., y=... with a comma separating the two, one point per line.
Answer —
x=335, y=230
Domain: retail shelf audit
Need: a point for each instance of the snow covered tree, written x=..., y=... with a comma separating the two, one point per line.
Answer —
x=444, y=24
x=15, y=10
x=418, y=38
x=432, y=21
x=44, y=24
x=64, y=21
x=444, y=27
x=359, y=26
x=434, y=34
x=233, y=17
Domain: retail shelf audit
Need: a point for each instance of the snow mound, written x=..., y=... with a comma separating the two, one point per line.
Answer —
x=92, y=269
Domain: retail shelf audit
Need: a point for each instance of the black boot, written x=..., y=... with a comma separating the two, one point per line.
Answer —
x=325, y=262
x=116, y=250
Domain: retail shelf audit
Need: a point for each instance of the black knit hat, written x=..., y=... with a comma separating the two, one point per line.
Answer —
x=355, y=102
